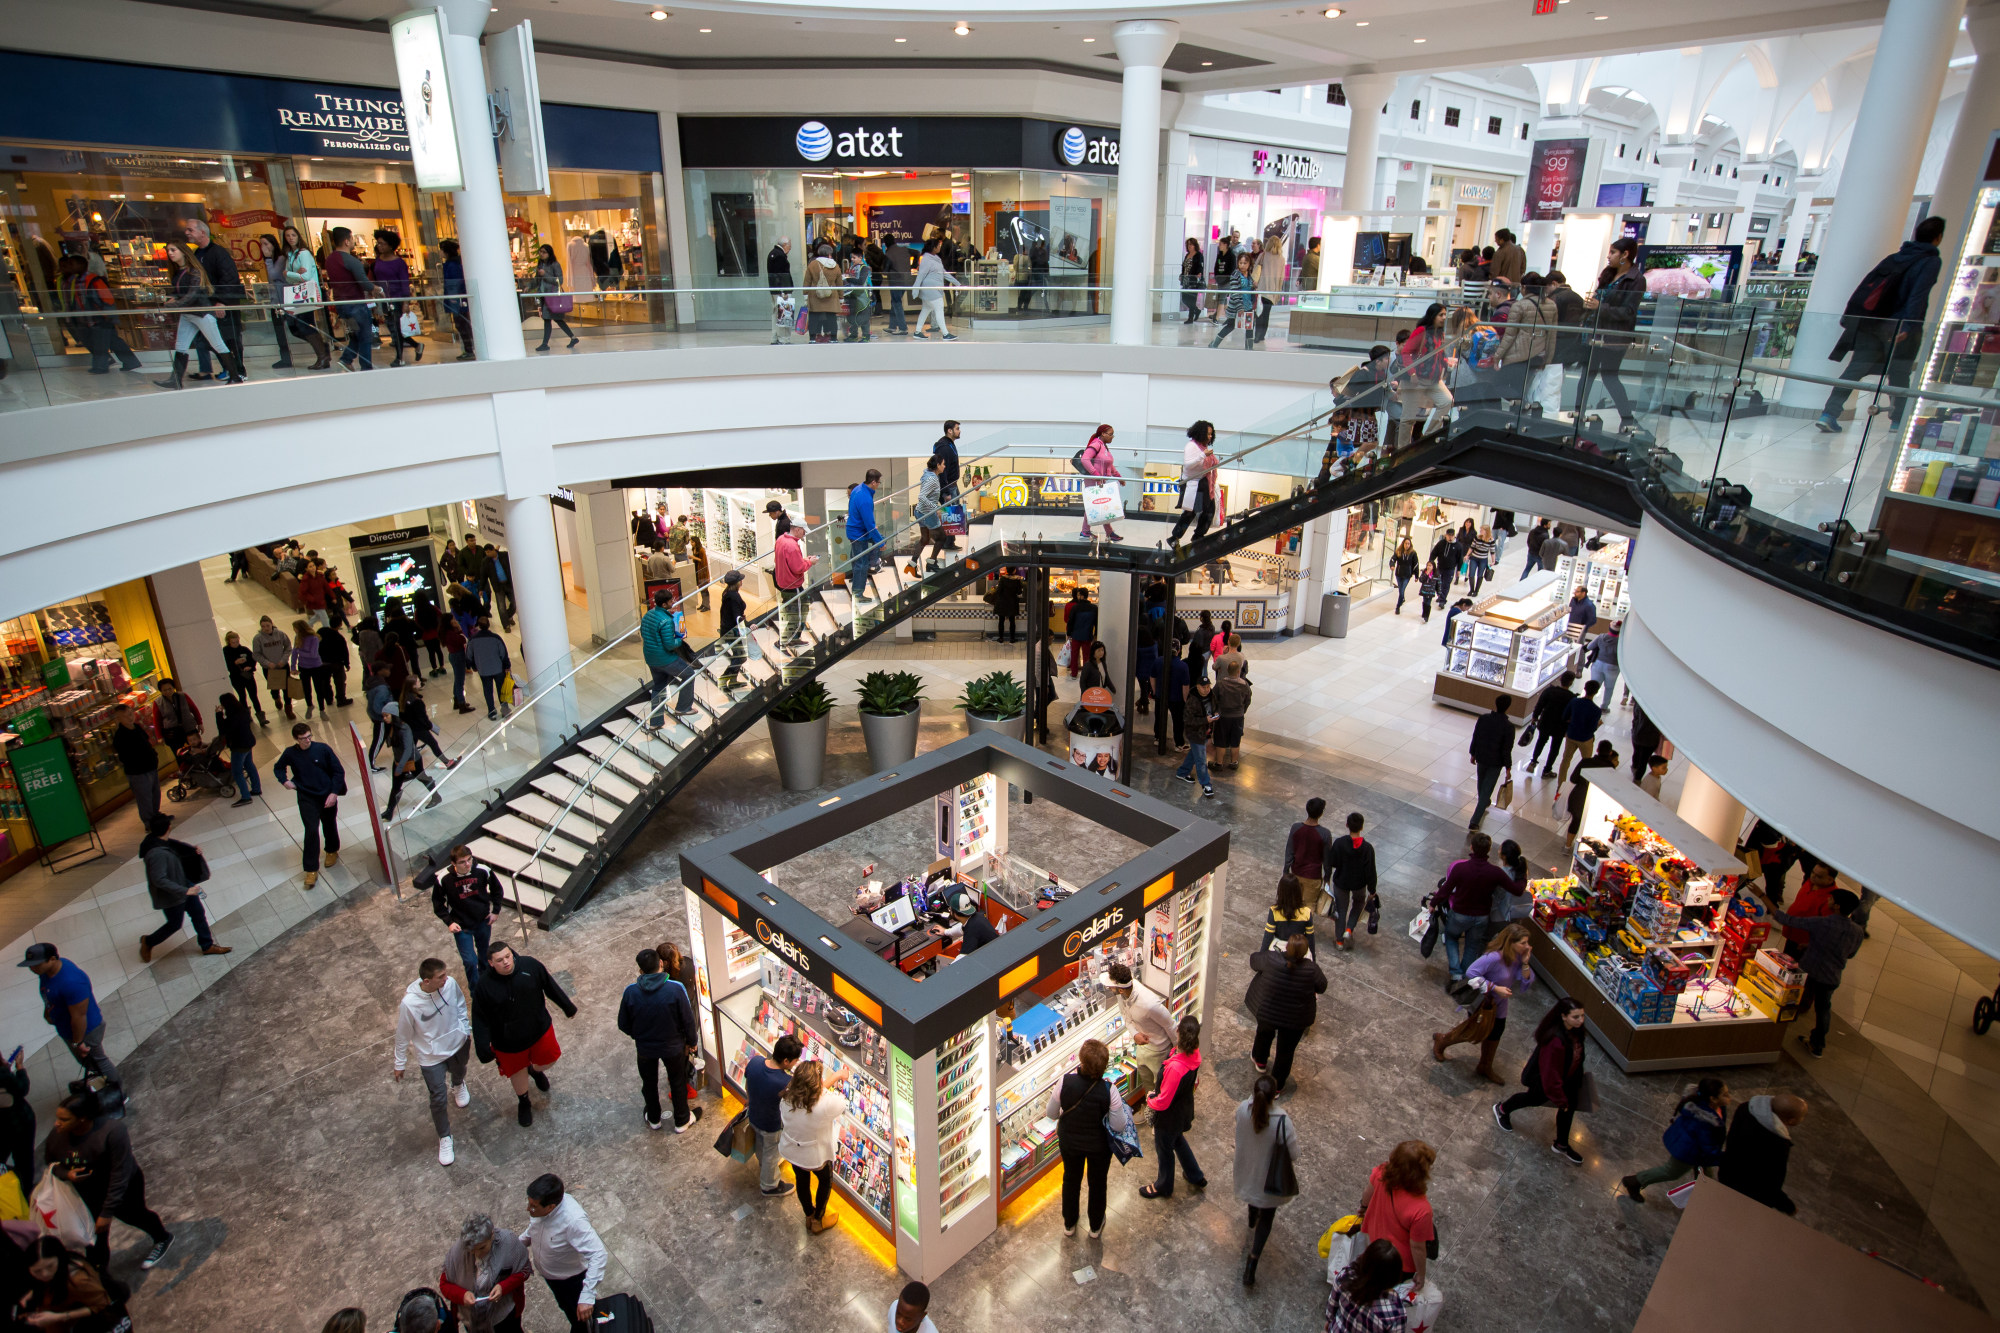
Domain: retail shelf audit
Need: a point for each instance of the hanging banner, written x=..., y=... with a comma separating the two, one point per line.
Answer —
x=1555, y=178
x=48, y=788
x=418, y=41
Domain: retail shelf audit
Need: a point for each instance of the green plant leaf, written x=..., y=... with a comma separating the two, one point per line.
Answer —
x=998, y=696
x=891, y=693
x=811, y=703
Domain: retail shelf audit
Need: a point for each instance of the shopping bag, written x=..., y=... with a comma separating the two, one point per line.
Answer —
x=1421, y=1306
x=1246, y=322
x=1678, y=1194
x=1124, y=1131
x=1101, y=502
x=1343, y=1244
x=59, y=1211
x=507, y=688
x=302, y=293
x=1280, y=1177
x=1504, y=797
x=13, y=1203
x=954, y=520
x=559, y=303
x=1062, y=656
x=1424, y=930
x=409, y=325
x=294, y=687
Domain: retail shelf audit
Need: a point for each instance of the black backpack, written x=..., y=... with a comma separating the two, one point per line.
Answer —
x=1876, y=293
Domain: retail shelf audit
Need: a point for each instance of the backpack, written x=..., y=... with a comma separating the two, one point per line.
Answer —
x=821, y=287
x=194, y=866
x=1877, y=291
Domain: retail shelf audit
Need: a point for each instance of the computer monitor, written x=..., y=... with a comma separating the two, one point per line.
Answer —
x=898, y=914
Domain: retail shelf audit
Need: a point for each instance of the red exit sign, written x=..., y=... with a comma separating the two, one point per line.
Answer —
x=1545, y=6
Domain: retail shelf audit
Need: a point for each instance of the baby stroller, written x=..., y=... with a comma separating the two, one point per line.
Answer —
x=204, y=769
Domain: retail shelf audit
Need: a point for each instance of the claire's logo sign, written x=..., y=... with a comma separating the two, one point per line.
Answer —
x=816, y=143
x=1076, y=148
x=1283, y=165
x=1093, y=930
x=778, y=942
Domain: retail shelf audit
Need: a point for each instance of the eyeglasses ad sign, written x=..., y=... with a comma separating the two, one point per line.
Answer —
x=1555, y=178
x=418, y=40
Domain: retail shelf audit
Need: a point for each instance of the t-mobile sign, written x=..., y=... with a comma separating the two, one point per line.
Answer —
x=1555, y=178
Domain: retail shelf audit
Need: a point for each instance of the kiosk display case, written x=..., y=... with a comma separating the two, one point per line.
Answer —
x=1648, y=933
x=949, y=1055
x=1511, y=642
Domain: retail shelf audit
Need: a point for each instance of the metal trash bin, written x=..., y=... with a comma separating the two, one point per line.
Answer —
x=1333, y=609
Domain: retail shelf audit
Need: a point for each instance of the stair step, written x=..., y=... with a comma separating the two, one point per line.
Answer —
x=530, y=837
x=585, y=771
x=592, y=805
x=820, y=620
x=674, y=731
x=712, y=696
x=518, y=863
x=759, y=670
x=637, y=739
x=531, y=896
x=767, y=643
x=620, y=759
x=574, y=826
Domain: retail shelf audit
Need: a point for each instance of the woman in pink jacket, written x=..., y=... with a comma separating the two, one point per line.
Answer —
x=1097, y=462
x=1172, y=1105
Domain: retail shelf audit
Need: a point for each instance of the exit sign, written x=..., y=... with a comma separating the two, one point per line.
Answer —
x=1545, y=6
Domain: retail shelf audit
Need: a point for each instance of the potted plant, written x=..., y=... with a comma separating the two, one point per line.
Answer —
x=798, y=726
x=995, y=703
x=890, y=713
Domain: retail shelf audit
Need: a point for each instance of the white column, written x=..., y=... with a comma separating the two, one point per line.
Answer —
x=480, y=213
x=680, y=258
x=604, y=530
x=1879, y=173
x=538, y=591
x=1799, y=225
x=1114, y=616
x=1710, y=808
x=1540, y=243
x=194, y=648
x=1143, y=46
x=1365, y=95
x=1978, y=117
x=1319, y=567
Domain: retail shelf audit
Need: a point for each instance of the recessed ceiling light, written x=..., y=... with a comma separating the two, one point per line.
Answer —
x=1332, y=13
x=1088, y=40
x=1600, y=17
x=1361, y=23
x=1420, y=40
x=659, y=13
x=901, y=40
x=706, y=30
x=963, y=30
x=1206, y=63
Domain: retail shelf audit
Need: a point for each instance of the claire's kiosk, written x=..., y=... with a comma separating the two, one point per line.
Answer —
x=951, y=1052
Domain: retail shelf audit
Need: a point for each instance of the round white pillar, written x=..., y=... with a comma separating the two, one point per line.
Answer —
x=1359, y=192
x=1540, y=244
x=478, y=209
x=538, y=601
x=1143, y=46
x=1879, y=173
x=1978, y=117
x=1798, y=227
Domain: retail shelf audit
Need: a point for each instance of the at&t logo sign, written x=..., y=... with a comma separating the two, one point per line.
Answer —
x=1076, y=148
x=816, y=142
x=1097, y=927
x=778, y=942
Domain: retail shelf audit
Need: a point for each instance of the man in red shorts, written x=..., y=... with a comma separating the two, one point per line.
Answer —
x=511, y=1023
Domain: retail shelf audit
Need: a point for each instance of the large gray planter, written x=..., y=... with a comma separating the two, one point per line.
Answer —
x=1006, y=726
x=800, y=748
x=891, y=740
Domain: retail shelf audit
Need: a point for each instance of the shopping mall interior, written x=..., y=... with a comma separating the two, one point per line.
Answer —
x=525, y=402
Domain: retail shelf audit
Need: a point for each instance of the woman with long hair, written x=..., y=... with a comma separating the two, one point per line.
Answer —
x=812, y=1111
x=1694, y=1140
x=1098, y=462
x=1172, y=1105
x=1078, y=1103
x=1194, y=276
x=1284, y=996
x=63, y=1289
x=1097, y=669
x=1516, y=904
x=1269, y=271
x=1553, y=1075
x=232, y=724
x=194, y=293
x=392, y=275
x=1496, y=976
x=1260, y=1128
x=1198, y=646
x=1290, y=915
x=1425, y=355
x=1364, y=1299
x=1241, y=288
x=298, y=268
x=1403, y=566
x=1399, y=1207
x=306, y=665
x=272, y=252
x=548, y=281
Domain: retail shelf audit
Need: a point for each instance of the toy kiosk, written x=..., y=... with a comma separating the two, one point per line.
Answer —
x=951, y=1053
x=1648, y=932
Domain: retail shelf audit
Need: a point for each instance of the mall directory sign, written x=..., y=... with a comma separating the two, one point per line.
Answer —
x=49, y=790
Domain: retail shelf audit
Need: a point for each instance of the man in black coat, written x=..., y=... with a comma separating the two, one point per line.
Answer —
x=947, y=449
x=1758, y=1151
x=778, y=267
x=220, y=265
x=1350, y=868
x=93, y=1152
x=1492, y=752
x=658, y=1016
x=510, y=1021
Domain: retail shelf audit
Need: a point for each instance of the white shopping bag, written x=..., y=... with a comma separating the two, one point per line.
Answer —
x=58, y=1210
x=409, y=325
x=1101, y=502
x=302, y=293
x=1343, y=1252
x=1421, y=1306
x=1679, y=1193
x=1419, y=924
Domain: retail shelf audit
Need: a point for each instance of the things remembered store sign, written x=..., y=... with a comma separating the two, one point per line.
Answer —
x=889, y=142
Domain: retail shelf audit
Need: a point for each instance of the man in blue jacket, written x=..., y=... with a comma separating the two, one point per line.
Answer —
x=657, y=1015
x=660, y=640
x=863, y=540
x=1884, y=318
x=313, y=770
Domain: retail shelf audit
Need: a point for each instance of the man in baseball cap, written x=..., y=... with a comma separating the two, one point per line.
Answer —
x=71, y=1009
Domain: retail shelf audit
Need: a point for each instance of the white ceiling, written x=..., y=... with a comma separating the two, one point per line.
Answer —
x=1295, y=45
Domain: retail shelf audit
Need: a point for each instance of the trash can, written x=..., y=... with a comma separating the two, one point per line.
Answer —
x=1333, y=609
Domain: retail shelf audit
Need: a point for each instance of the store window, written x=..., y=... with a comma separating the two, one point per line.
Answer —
x=1451, y=116
x=1336, y=95
x=1493, y=125
x=1417, y=110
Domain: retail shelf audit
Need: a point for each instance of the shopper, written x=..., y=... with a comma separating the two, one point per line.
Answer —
x=1426, y=362
x=909, y=1312
x=194, y=293
x=1403, y=567
x=300, y=271
x=1831, y=940
x=133, y=747
x=1009, y=591
x=1194, y=279
x=1364, y=1298
x=1581, y=717
x=858, y=288
x=821, y=284
x=1547, y=719
x=1398, y=1207
x=565, y=1249
x=1882, y=324
x=1241, y=287
x=1261, y=1129
x=1292, y=914
x=1152, y=1028
x=1080, y=1104
x=1283, y=998
x=55, y=1288
x=1198, y=496
x=392, y=273
x=1602, y=658
x=1195, y=727
x=353, y=292
x=1606, y=757
x=69, y=1005
x=334, y=659
x=1269, y=272
x=1758, y=1151
x=1307, y=848
x=1351, y=871
x=1173, y=1113
x=486, y=1276
x=433, y=1021
x=452, y=284
x=765, y=1079
x=931, y=282
x=1498, y=975
x=864, y=541
x=811, y=1110
x=417, y=717
x=658, y=1016
x=1529, y=344
x=732, y=630
x=1694, y=1140
x=311, y=769
x=271, y=648
x=172, y=895
x=1098, y=462
x=1553, y=1076
x=1621, y=288
x=548, y=281
x=928, y=512
x=511, y=1023
x=488, y=653
x=1232, y=705
x=93, y=1152
x=1510, y=261
x=466, y=896
x=1466, y=896
x=241, y=665
x=1492, y=752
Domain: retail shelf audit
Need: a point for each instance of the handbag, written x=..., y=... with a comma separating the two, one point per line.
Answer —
x=726, y=1141
x=1123, y=1130
x=1280, y=1177
x=559, y=303
x=409, y=325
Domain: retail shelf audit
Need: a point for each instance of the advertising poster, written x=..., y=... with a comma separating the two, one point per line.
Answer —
x=139, y=659
x=418, y=41
x=903, y=1109
x=1555, y=178
x=48, y=788
x=1071, y=234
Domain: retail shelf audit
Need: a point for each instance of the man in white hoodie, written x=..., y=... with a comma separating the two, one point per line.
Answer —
x=433, y=1020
